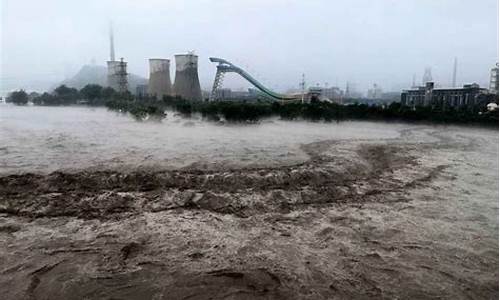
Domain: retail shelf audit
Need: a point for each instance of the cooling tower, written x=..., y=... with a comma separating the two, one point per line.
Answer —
x=159, y=78
x=187, y=83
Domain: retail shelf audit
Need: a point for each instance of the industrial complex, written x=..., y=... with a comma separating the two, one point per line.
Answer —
x=453, y=97
x=468, y=95
x=187, y=85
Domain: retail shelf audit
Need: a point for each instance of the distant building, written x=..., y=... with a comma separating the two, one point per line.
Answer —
x=375, y=93
x=351, y=92
x=494, y=80
x=333, y=94
x=314, y=93
x=389, y=97
x=141, y=90
x=468, y=95
x=240, y=94
x=228, y=94
x=223, y=94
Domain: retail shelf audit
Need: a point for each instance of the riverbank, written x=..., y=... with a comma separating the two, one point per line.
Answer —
x=253, y=111
x=235, y=111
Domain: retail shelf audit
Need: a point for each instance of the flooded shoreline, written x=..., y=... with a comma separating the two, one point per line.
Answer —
x=48, y=139
x=279, y=210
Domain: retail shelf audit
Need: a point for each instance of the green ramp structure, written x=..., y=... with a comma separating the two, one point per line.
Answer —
x=225, y=66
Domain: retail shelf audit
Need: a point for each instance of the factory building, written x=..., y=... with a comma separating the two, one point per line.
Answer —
x=187, y=83
x=159, y=78
x=469, y=95
x=224, y=94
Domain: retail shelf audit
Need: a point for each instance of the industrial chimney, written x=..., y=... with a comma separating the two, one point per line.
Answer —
x=117, y=70
x=187, y=83
x=159, y=78
x=113, y=65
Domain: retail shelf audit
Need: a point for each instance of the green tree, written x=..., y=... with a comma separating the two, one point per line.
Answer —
x=45, y=99
x=66, y=95
x=108, y=93
x=18, y=97
x=91, y=92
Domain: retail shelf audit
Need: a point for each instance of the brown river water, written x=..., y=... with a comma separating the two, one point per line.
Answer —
x=45, y=139
x=95, y=205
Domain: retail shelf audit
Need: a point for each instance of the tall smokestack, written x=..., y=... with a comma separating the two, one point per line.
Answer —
x=111, y=43
x=113, y=65
x=159, y=78
x=187, y=83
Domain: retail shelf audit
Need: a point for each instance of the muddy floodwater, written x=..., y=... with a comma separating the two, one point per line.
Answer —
x=95, y=205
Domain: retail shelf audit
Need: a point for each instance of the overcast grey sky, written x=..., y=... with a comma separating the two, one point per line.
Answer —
x=362, y=41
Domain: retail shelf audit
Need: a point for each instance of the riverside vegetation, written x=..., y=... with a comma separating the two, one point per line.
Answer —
x=234, y=111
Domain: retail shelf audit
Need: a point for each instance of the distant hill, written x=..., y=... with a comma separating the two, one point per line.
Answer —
x=94, y=74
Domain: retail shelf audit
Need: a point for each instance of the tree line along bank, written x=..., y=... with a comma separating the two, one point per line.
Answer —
x=238, y=111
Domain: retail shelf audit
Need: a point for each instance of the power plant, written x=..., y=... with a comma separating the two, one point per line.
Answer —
x=187, y=83
x=159, y=78
x=117, y=70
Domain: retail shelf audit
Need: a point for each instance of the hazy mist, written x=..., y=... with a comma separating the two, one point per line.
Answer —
x=361, y=41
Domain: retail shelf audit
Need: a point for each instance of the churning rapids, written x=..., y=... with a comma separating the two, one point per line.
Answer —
x=94, y=205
